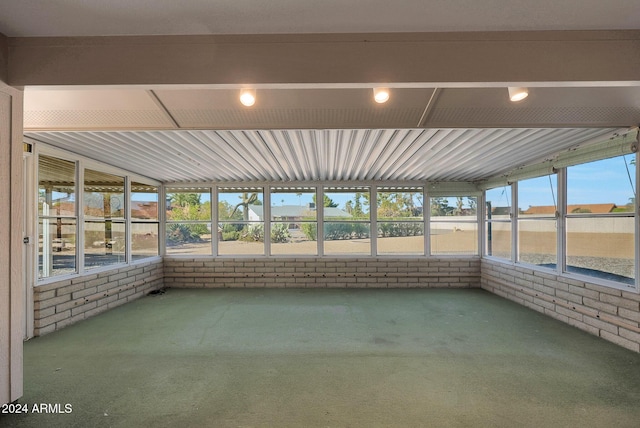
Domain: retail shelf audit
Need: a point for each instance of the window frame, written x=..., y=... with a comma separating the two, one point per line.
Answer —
x=556, y=217
x=566, y=215
x=39, y=216
x=83, y=163
x=471, y=219
x=283, y=189
x=562, y=217
x=266, y=213
x=489, y=221
x=370, y=221
x=409, y=220
x=197, y=188
x=133, y=221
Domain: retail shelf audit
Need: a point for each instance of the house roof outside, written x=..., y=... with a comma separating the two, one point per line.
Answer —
x=139, y=209
x=297, y=211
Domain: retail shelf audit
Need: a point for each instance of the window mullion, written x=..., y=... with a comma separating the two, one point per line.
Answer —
x=561, y=223
x=320, y=217
x=373, y=219
x=513, y=215
x=266, y=219
x=426, y=218
x=80, y=226
x=214, y=221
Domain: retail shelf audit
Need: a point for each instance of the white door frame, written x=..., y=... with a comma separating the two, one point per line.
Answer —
x=12, y=305
x=29, y=256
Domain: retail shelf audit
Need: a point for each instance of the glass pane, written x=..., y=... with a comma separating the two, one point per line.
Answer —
x=56, y=187
x=401, y=238
x=537, y=242
x=293, y=204
x=537, y=197
x=56, y=247
x=144, y=201
x=602, y=187
x=103, y=196
x=188, y=204
x=453, y=206
x=192, y=238
x=498, y=203
x=294, y=238
x=144, y=240
x=104, y=243
x=450, y=237
x=351, y=203
x=400, y=204
x=240, y=204
x=347, y=238
x=498, y=242
x=241, y=238
x=602, y=247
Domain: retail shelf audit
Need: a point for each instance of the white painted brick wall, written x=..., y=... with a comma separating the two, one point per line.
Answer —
x=463, y=272
x=62, y=303
x=606, y=312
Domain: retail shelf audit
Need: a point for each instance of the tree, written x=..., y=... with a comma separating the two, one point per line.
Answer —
x=440, y=206
x=328, y=202
x=225, y=210
x=247, y=199
x=348, y=207
x=459, y=205
x=357, y=206
x=473, y=203
x=185, y=199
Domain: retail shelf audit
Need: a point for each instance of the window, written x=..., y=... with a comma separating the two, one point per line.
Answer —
x=57, y=217
x=294, y=225
x=103, y=203
x=600, y=219
x=347, y=225
x=188, y=220
x=241, y=221
x=454, y=225
x=498, y=222
x=537, y=224
x=400, y=220
x=144, y=220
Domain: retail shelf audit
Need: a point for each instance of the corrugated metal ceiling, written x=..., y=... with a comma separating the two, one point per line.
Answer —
x=435, y=155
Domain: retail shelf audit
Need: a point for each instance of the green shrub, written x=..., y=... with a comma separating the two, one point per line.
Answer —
x=178, y=233
x=335, y=231
x=253, y=233
x=231, y=232
x=230, y=236
x=310, y=230
x=280, y=233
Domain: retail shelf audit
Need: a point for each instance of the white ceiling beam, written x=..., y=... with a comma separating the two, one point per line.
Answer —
x=465, y=59
x=163, y=109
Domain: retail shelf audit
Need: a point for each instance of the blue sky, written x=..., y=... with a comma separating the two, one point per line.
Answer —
x=600, y=182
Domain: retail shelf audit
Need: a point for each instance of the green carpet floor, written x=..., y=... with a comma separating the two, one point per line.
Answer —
x=327, y=358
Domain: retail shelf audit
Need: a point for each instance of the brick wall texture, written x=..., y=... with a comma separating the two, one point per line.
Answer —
x=323, y=273
x=606, y=312
x=62, y=303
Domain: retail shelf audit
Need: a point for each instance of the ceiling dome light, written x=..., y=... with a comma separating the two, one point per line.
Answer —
x=248, y=97
x=381, y=95
x=518, y=94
